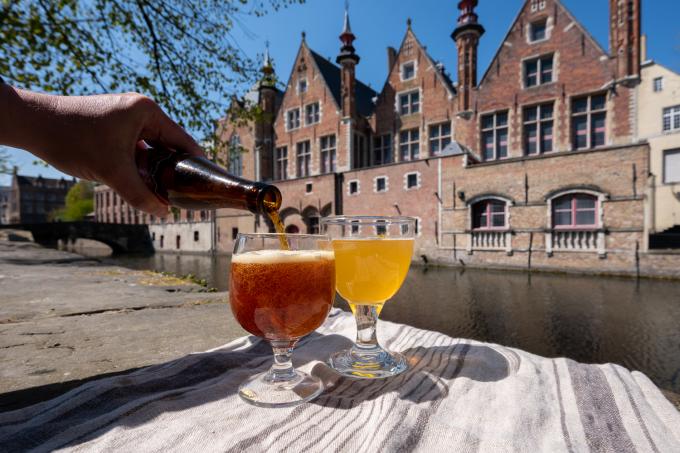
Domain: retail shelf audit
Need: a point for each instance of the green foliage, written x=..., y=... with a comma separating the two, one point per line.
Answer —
x=181, y=53
x=5, y=162
x=79, y=203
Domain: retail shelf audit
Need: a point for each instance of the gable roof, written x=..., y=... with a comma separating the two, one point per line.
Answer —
x=559, y=4
x=44, y=183
x=331, y=74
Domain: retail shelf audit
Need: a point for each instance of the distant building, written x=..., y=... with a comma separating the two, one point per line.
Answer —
x=658, y=122
x=33, y=199
x=539, y=161
x=5, y=194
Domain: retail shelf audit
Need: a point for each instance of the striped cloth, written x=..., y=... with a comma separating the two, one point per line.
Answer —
x=458, y=395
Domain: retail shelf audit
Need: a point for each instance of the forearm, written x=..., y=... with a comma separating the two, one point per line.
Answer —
x=28, y=119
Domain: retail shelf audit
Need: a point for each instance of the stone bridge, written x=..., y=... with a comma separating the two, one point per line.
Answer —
x=121, y=238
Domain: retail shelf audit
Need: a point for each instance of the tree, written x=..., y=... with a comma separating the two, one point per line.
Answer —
x=79, y=203
x=182, y=53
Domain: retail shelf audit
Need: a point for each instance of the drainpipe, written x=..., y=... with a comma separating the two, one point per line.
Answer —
x=439, y=202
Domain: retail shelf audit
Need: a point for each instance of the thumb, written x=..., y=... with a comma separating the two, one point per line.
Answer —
x=129, y=185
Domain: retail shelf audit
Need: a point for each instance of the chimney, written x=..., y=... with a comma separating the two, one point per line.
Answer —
x=466, y=35
x=643, y=48
x=624, y=37
x=348, y=60
x=391, y=57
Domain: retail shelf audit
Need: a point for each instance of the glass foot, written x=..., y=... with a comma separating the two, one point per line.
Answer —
x=373, y=363
x=261, y=390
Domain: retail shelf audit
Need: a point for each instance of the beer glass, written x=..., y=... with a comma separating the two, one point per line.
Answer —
x=372, y=257
x=281, y=295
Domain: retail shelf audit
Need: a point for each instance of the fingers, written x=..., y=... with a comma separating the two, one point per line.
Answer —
x=160, y=127
x=130, y=186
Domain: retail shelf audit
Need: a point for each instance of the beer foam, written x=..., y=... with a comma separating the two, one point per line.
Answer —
x=281, y=256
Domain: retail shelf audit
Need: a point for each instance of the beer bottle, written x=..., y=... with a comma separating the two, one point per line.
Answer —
x=191, y=182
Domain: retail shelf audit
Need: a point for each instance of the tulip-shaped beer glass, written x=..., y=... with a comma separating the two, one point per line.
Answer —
x=281, y=295
x=372, y=257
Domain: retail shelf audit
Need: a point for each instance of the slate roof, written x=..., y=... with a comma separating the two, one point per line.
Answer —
x=331, y=74
x=46, y=183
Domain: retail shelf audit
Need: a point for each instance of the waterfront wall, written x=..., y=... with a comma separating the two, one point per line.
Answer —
x=182, y=237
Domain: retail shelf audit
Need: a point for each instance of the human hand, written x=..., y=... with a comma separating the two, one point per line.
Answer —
x=93, y=137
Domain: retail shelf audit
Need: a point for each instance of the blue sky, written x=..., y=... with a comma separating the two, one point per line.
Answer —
x=382, y=23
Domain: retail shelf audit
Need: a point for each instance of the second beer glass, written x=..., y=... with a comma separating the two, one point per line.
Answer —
x=372, y=258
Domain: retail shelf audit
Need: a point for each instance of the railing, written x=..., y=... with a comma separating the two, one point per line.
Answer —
x=575, y=240
x=489, y=240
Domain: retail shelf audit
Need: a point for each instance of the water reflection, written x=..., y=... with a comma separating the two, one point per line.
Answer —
x=587, y=318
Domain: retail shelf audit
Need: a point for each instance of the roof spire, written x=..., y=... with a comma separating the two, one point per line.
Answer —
x=347, y=37
x=467, y=12
x=268, y=79
x=267, y=62
x=346, y=27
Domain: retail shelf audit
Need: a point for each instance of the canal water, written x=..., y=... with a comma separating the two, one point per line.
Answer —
x=590, y=319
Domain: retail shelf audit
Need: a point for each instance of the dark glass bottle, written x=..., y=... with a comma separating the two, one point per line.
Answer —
x=191, y=182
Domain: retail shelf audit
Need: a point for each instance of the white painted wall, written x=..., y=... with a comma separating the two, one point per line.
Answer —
x=187, y=233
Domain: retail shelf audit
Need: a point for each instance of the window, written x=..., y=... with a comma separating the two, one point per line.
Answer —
x=195, y=236
x=302, y=86
x=671, y=118
x=234, y=233
x=538, y=71
x=494, y=135
x=409, y=144
x=382, y=149
x=412, y=180
x=408, y=70
x=328, y=154
x=360, y=155
x=671, y=166
x=281, y=164
x=153, y=236
x=409, y=103
x=308, y=187
x=313, y=225
x=293, y=119
x=440, y=137
x=353, y=187
x=574, y=211
x=312, y=113
x=588, y=115
x=178, y=241
x=304, y=157
x=235, y=156
x=381, y=228
x=658, y=84
x=488, y=214
x=538, y=129
x=537, y=31
x=162, y=240
x=381, y=184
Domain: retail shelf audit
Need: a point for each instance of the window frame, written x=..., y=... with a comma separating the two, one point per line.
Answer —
x=384, y=150
x=328, y=153
x=538, y=122
x=663, y=163
x=296, y=122
x=544, y=22
x=573, y=210
x=314, y=115
x=440, y=138
x=588, y=114
x=495, y=129
x=540, y=62
x=408, y=145
x=349, y=187
x=410, y=110
x=303, y=159
x=403, y=66
x=488, y=202
x=673, y=115
x=302, y=82
x=281, y=163
x=376, y=187
x=659, y=85
x=416, y=174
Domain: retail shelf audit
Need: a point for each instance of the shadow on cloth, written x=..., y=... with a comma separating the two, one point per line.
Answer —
x=431, y=370
x=136, y=398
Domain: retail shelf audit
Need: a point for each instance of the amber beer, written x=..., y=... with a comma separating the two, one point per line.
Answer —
x=192, y=182
x=282, y=294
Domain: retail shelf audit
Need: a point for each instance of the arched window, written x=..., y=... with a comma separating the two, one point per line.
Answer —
x=575, y=211
x=489, y=214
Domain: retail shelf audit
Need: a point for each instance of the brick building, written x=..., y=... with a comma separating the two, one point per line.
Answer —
x=535, y=163
x=33, y=199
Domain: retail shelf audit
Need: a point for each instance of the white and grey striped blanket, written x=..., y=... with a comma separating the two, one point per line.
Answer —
x=458, y=395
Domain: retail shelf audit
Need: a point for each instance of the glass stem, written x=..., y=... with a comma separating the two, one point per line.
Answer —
x=366, y=317
x=282, y=370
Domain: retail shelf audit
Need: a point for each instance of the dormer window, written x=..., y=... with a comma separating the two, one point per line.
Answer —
x=538, y=71
x=302, y=86
x=408, y=70
x=538, y=31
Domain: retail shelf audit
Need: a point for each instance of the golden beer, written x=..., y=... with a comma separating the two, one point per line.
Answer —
x=370, y=271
